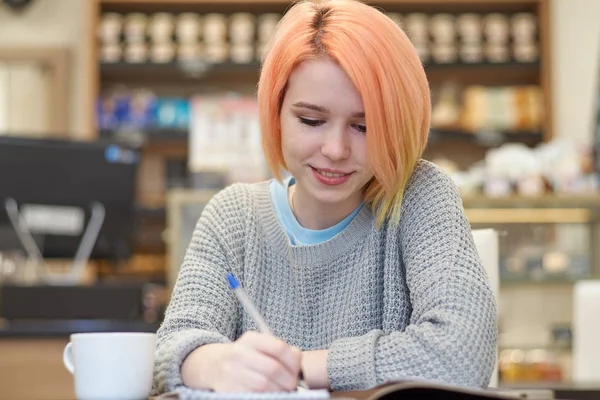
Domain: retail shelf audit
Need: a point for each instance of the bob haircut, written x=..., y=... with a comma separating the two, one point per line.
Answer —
x=387, y=72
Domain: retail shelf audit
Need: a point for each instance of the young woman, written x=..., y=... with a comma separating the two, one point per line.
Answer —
x=362, y=263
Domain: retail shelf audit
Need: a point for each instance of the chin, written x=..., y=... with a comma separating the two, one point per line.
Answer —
x=331, y=197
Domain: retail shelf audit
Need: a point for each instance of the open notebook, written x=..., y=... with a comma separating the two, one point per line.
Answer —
x=407, y=390
x=190, y=394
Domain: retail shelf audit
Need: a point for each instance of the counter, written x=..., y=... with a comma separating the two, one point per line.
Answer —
x=31, y=366
x=64, y=328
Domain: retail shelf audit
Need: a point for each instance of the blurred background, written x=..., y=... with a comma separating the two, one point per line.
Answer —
x=119, y=119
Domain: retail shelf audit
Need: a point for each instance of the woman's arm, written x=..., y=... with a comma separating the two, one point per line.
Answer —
x=202, y=309
x=197, y=342
x=452, y=335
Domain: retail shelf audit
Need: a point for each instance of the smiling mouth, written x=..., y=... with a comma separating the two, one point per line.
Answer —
x=330, y=174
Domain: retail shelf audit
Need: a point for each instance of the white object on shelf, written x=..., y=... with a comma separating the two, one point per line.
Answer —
x=242, y=53
x=29, y=90
x=486, y=242
x=242, y=28
x=215, y=28
x=266, y=26
x=134, y=27
x=161, y=27
x=4, y=84
x=188, y=28
x=225, y=138
x=110, y=28
x=586, y=331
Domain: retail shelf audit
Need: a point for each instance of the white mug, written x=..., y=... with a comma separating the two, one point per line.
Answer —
x=107, y=366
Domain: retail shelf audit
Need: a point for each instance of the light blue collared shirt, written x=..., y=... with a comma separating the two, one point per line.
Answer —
x=297, y=233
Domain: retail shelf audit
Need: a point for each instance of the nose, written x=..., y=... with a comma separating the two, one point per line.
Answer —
x=336, y=145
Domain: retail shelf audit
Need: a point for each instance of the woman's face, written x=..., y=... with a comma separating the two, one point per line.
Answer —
x=323, y=135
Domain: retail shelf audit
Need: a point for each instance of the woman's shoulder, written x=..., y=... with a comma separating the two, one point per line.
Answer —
x=228, y=212
x=429, y=179
x=237, y=197
x=427, y=173
x=429, y=186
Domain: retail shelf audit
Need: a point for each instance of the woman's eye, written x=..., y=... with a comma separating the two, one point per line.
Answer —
x=310, y=122
x=360, y=128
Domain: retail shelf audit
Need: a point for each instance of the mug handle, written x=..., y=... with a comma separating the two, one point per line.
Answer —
x=68, y=358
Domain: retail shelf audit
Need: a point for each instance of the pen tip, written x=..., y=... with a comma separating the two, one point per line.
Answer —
x=233, y=282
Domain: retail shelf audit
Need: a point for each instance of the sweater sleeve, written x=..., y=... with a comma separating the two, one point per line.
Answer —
x=202, y=309
x=452, y=333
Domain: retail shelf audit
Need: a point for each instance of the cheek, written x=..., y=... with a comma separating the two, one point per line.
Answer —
x=288, y=139
x=360, y=152
x=289, y=128
x=297, y=142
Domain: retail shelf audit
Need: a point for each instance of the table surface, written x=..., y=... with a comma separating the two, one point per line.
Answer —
x=533, y=391
x=424, y=391
x=27, y=359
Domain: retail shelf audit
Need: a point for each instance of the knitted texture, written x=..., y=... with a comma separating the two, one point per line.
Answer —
x=404, y=302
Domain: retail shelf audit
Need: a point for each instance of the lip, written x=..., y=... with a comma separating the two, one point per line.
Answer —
x=331, y=171
x=330, y=180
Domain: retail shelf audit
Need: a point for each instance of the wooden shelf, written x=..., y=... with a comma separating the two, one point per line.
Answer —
x=485, y=138
x=557, y=201
x=193, y=2
x=196, y=76
x=180, y=136
x=547, y=209
x=190, y=68
x=281, y=5
x=492, y=74
x=201, y=69
x=148, y=136
x=559, y=281
x=175, y=71
x=499, y=3
x=512, y=215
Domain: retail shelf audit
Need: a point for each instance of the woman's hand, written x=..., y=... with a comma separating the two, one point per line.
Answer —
x=256, y=362
x=314, y=365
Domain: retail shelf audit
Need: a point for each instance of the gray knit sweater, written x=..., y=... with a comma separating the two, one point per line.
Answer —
x=405, y=302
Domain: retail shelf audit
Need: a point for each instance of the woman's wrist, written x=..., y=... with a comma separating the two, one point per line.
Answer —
x=198, y=369
x=314, y=367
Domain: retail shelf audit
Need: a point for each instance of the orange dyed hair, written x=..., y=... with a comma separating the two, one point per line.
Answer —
x=387, y=72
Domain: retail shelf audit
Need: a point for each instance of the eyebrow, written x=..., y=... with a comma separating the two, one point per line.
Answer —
x=324, y=110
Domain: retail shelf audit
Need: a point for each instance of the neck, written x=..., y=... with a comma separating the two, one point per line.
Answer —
x=315, y=215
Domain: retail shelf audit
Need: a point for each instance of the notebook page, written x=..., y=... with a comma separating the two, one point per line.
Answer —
x=191, y=394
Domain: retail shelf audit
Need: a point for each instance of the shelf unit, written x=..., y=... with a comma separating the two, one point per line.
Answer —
x=158, y=145
x=185, y=79
x=493, y=74
x=201, y=73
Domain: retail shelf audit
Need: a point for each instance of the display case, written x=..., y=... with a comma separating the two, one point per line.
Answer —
x=543, y=239
x=546, y=245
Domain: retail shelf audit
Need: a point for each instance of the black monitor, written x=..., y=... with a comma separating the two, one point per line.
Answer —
x=56, y=182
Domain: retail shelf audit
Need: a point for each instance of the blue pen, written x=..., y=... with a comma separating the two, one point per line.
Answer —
x=254, y=314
